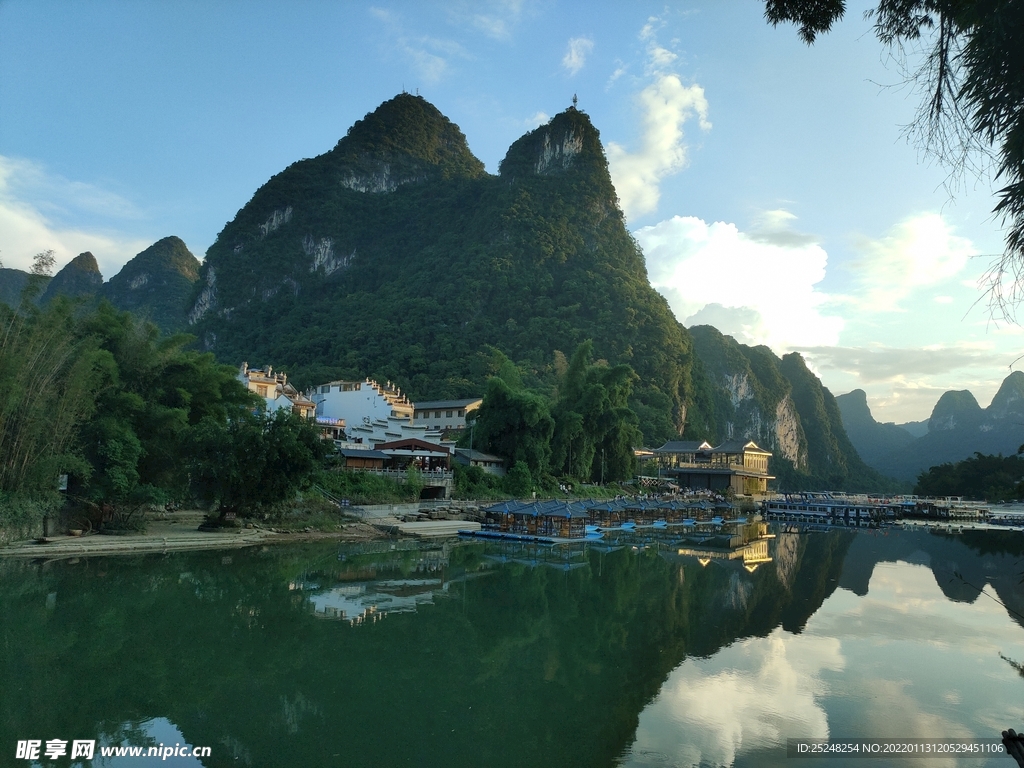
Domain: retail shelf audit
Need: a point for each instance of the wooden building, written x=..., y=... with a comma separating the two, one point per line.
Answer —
x=739, y=466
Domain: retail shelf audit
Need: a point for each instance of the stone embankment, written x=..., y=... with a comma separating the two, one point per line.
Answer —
x=424, y=520
x=177, y=531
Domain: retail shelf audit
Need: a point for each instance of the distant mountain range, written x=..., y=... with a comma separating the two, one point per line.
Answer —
x=155, y=285
x=957, y=428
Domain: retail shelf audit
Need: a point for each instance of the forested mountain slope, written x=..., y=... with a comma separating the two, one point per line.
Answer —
x=778, y=402
x=395, y=255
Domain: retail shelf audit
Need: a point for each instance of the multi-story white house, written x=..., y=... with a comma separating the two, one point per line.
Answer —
x=275, y=390
x=373, y=413
x=446, y=415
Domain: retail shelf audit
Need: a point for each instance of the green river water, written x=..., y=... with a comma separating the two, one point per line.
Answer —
x=470, y=654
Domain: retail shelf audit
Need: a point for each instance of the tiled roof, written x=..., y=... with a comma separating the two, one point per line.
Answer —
x=438, y=405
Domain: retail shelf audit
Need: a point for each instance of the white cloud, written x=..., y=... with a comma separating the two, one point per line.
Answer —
x=497, y=19
x=749, y=695
x=620, y=70
x=665, y=104
x=760, y=292
x=430, y=57
x=538, y=119
x=919, y=252
x=576, y=54
x=35, y=208
x=882, y=363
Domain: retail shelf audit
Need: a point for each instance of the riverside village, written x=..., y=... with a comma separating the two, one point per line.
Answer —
x=503, y=384
x=714, y=500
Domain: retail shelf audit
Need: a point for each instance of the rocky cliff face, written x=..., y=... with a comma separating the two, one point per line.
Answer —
x=759, y=404
x=954, y=409
x=1009, y=400
x=783, y=407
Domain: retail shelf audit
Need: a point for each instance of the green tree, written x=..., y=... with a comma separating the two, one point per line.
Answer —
x=991, y=478
x=595, y=428
x=48, y=376
x=153, y=391
x=254, y=460
x=972, y=77
x=518, y=483
x=516, y=425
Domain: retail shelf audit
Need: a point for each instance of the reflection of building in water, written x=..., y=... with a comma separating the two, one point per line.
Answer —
x=371, y=601
x=752, y=554
x=369, y=581
x=748, y=547
x=533, y=554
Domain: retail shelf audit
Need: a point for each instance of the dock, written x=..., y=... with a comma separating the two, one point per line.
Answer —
x=429, y=529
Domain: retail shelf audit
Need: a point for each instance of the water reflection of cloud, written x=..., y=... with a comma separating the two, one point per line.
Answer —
x=903, y=661
x=904, y=603
x=362, y=600
x=754, y=693
x=900, y=715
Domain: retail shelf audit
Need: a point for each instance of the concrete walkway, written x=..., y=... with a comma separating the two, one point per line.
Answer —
x=76, y=546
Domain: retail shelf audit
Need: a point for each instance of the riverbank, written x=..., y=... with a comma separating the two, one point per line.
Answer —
x=179, y=531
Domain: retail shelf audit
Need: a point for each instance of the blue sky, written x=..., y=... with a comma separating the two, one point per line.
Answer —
x=770, y=183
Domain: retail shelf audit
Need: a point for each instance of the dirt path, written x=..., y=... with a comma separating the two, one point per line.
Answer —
x=178, y=531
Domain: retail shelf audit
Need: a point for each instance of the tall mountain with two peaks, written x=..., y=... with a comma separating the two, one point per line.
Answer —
x=396, y=255
x=957, y=429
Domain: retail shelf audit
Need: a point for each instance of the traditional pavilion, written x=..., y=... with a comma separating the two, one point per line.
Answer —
x=737, y=465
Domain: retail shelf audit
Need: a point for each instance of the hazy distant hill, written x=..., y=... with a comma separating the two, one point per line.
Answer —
x=12, y=283
x=873, y=440
x=915, y=428
x=80, y=277
x=958, y=428
x=155, y=285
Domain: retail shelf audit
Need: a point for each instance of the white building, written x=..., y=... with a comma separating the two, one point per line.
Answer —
x=373, y=413
x=275, y=390
x=445, y=415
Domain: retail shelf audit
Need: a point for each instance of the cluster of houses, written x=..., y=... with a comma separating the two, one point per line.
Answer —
x=377, y=428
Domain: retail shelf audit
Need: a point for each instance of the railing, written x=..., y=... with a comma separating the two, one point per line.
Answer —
x=710, y=465
x=403, y=475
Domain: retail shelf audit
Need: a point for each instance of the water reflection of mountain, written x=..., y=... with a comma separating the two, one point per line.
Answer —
x=502, y=656
x=963, y=563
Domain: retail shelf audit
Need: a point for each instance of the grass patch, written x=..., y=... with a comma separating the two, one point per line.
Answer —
x=366, y=487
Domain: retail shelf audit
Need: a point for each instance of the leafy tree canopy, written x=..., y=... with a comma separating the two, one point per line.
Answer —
x=989, y=478
x=972, y=78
